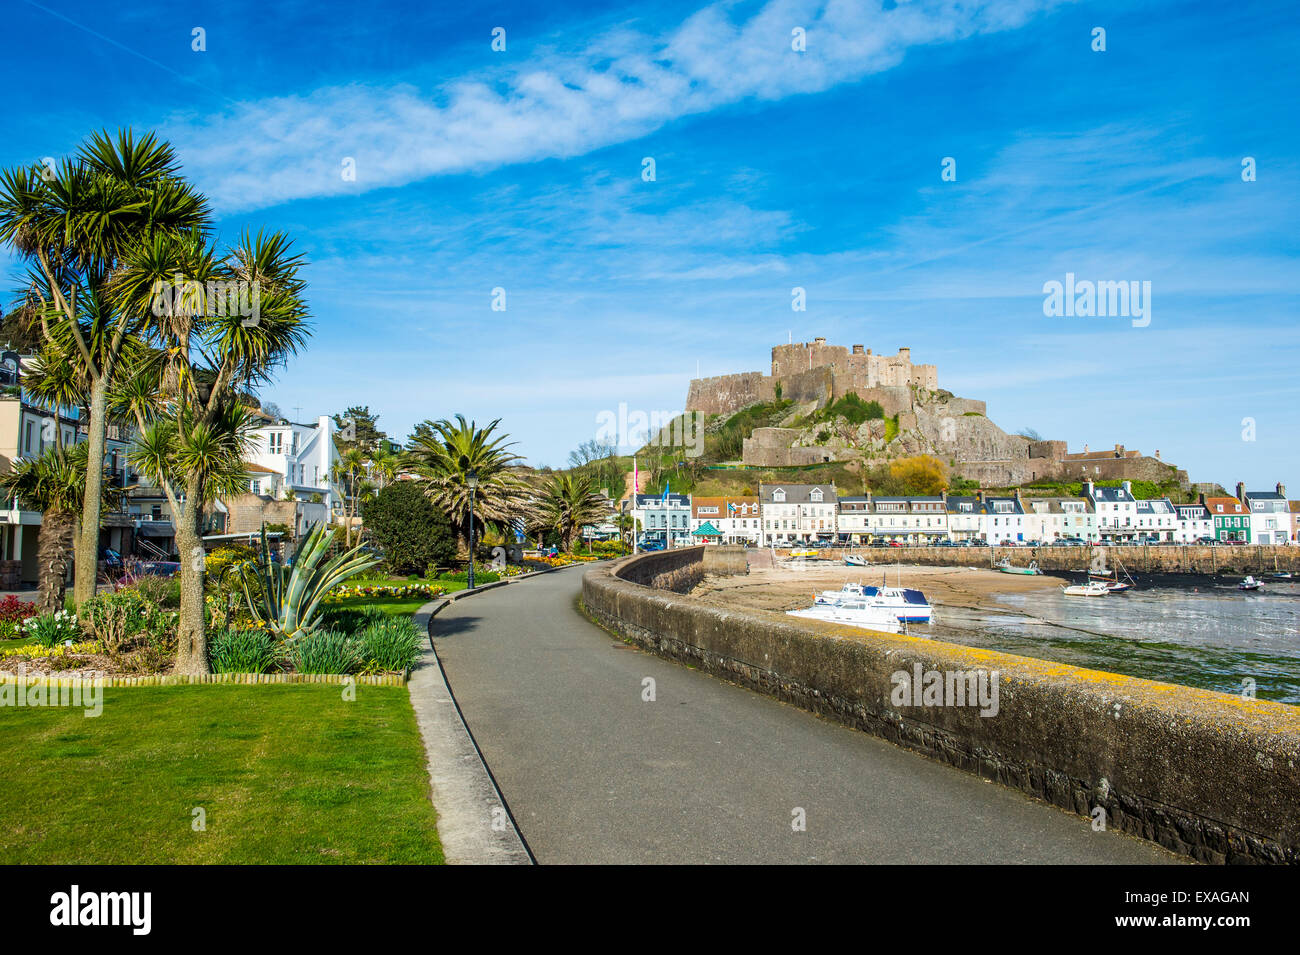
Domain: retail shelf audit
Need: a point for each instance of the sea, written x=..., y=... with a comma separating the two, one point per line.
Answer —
x=1205, y=633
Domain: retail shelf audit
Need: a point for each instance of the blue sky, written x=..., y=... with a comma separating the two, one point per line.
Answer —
x=522, y=169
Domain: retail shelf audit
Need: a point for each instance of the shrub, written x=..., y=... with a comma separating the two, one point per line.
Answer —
x=350, y=619
x=12, y=614
x=243, y=651
x=124, y=616
x=52, y=629
x=323, y=651
x=409, y=529
x=391, y=644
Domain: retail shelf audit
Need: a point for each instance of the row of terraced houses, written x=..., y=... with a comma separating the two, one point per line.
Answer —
x=786, y=514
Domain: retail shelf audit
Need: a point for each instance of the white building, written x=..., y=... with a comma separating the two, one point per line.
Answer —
x=1157, y=517
x=1194, y=522
x=1049, y=519
x=1004, y=520
x=736, y=519
x=967, y=518
x=1116, y=510
x=797, y=512
x=663, y=517
x=1270, y=516
x=303, y=455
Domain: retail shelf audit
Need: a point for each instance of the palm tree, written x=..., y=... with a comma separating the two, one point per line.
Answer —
x=53, y=484
x=75, y=226
x=384, y=466
x=349, y=471
x=186, y=396
x=442, y=454
x=570, y=501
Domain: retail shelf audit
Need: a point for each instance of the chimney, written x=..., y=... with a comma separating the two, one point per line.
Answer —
x=1087, y=488
x=1128, y=488
x=979, y=495
x=1241, y=491
x=1281, y=489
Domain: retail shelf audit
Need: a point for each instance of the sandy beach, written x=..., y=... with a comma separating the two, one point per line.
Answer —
x=791, y=587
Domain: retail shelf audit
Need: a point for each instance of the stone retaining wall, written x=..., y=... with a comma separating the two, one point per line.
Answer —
x=1166, y=559
x=1209, y=775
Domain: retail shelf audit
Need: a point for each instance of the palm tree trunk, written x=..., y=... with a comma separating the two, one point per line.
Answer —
x=52, y=555
x=87, y=552
x=192, y=642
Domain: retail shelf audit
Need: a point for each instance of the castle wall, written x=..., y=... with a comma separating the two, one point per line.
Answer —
x=727, y=394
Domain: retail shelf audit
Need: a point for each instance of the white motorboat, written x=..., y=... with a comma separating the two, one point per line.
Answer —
x=907, y=605
x=1090, y=589
x=855, y=560
x=1249, y=583
x=859, y=612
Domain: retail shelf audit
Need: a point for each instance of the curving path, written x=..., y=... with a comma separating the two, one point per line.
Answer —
x=709, y=772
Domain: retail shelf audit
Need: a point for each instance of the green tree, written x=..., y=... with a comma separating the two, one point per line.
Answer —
x=568, y=501
x=364, y=427
x=186, y=397
x=54, y=484
x=443, y=453
x=413, y=534
x=74, y=224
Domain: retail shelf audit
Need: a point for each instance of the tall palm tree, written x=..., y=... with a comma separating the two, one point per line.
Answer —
x=443, y=453
x=568, y=501
x=186, y=395
x=74, y=224
x=54, y=484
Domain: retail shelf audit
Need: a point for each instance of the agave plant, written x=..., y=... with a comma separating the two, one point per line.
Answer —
x=288, y=597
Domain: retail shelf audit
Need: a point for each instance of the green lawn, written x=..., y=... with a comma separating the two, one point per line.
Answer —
x=285, y=774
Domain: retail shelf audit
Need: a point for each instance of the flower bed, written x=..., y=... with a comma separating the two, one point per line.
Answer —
x=387, y=590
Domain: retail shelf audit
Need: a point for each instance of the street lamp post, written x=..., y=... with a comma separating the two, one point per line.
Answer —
x=472, y=476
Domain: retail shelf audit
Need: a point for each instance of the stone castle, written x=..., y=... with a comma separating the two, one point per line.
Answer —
x=930, y=421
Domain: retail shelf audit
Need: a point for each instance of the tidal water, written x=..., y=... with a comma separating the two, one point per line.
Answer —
x=1214, y=638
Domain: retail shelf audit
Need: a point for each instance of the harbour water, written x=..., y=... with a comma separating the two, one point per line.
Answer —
x=1214, y=636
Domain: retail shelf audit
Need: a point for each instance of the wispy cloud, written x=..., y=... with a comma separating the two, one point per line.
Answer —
x=560, y=104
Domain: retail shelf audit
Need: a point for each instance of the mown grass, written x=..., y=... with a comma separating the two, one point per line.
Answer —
x=285, y=774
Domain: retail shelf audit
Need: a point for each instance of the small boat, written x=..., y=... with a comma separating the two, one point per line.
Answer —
x=1280, y=575
x=855, y=560
x=1112, y=582
x=1090, y=589
x=809, y=552
x=907, y=605
x=854, y=613
x=1249, y=583
x=1005, y=566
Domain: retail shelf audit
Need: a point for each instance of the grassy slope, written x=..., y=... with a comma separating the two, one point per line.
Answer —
x=286, y=774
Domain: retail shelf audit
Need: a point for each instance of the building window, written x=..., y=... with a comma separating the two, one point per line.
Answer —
x=275, y=442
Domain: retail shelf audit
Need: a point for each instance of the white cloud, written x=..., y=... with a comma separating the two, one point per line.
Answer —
x=620, y=87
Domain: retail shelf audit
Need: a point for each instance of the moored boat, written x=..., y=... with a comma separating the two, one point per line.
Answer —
x=1248, y=583
x=855, y=560
x=1006, y=567
x=1090, y=589
x=859, y=612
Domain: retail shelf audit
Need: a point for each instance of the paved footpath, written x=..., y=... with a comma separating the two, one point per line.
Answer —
x=710, y=772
